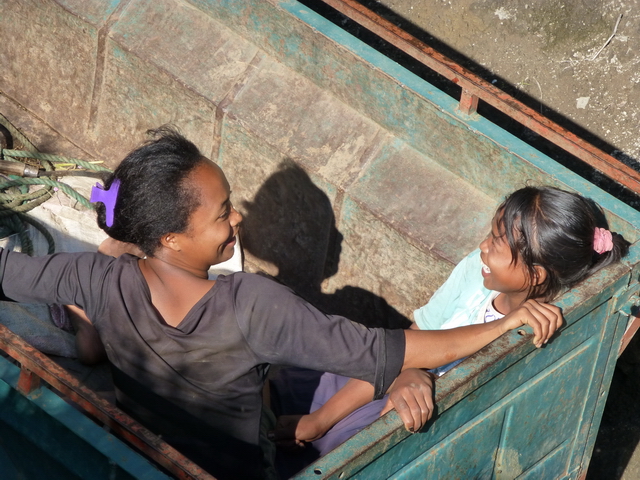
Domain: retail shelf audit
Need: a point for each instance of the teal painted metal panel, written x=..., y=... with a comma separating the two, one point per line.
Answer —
x=42, y=436
x=510, y=411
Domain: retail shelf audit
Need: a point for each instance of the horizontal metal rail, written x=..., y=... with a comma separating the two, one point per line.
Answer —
x=475, y=88
x=36, y=366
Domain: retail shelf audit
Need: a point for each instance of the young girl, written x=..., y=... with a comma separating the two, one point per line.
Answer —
x=543, y=241
x=190, y=355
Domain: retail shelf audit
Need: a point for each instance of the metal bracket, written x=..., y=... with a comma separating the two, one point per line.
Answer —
x=629, y=305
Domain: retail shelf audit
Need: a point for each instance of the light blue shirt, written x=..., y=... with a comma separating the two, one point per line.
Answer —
x=461, y=300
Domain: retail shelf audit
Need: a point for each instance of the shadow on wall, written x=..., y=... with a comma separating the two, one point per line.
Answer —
x=290, y=223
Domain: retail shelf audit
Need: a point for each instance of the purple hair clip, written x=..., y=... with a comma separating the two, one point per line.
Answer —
x=107, y=197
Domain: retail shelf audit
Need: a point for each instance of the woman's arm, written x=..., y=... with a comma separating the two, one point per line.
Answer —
x=426, y=349
x=411, y=395
x=433, y=348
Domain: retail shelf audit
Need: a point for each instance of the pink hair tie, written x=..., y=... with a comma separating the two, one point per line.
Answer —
x=602, y=240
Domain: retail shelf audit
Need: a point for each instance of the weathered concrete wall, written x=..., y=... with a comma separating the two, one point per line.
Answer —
x=357, y=179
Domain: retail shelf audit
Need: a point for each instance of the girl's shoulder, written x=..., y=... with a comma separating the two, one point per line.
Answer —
x=458, y=295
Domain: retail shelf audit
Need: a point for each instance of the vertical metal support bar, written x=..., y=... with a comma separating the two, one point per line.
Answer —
x=633, y=327
x=28, y=381
x=468, y=102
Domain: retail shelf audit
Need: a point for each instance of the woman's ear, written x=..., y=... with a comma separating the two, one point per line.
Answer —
x=170, y=240
x=541, y=274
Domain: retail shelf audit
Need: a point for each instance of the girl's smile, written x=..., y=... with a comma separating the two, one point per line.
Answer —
x=485, y=270
x=501, y=272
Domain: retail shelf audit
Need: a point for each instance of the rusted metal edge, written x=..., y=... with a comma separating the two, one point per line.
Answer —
x=474, y=88
x=35, y=366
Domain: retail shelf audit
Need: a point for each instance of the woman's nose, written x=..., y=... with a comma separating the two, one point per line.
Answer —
x=236, y=217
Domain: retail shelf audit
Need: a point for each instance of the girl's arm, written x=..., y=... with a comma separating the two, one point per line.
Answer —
x=433, y=348
x=411, y=395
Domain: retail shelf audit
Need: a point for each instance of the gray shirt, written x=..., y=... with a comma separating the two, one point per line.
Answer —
x=205, y=376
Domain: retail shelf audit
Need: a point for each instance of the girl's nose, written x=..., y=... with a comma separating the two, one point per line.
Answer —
x=484, y=244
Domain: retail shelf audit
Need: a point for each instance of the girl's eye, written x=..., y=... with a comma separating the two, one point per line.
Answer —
x=226, y=213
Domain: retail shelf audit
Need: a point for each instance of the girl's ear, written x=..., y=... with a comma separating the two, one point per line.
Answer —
x=170, y=240
x=541, y=274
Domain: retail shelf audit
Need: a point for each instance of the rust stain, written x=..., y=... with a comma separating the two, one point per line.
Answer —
x=631, y=330
x=36, y=366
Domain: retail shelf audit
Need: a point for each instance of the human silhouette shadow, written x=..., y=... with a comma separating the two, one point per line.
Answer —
x=290, y=224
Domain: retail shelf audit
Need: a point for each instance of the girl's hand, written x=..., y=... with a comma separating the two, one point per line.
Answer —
x=412, y=396
x=293, y=431
x=115, y=248
x=544, y=318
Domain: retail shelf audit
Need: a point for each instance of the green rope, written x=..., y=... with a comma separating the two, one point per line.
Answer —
x=15, y=226
x=53, y=159
x=43, y=231
x=15, y=197
x=19, y=197
x=48, y=182
x=17, y=134
x=16, y=206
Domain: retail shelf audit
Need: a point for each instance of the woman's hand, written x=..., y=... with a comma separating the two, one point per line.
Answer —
x=412, y=397
x=544, y=318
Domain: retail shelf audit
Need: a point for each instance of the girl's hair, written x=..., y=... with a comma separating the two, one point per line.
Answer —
x=554, y=229
x=154, y=197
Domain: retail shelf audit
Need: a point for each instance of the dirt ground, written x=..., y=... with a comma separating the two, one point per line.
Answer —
x=564, y=60
x=548, y=54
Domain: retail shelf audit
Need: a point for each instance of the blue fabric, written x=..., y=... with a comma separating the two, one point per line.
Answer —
x=461, y=300
x=36, y=324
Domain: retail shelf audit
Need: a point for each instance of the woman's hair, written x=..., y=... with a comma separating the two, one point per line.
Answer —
x=154, y=197
x=555, y=229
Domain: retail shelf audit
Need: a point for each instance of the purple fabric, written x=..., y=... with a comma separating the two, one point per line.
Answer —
x=301, y=391
x=60, y=318
x=348, y=426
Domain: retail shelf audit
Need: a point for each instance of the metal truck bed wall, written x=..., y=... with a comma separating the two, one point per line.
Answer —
x=335, y=151
x=42, y=436
x=49, y=415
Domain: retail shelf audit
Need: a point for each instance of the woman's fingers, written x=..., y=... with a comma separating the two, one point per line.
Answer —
x=412, y=397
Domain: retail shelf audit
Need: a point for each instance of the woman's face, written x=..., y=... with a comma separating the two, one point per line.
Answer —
x=211, y=234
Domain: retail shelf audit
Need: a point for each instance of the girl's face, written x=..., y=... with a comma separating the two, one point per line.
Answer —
x=213, y=226
x=499, y=270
